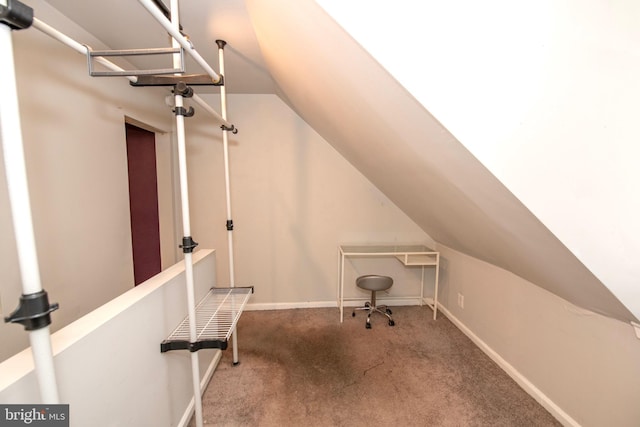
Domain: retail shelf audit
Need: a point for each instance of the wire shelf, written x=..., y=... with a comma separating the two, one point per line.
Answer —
x=216, y=317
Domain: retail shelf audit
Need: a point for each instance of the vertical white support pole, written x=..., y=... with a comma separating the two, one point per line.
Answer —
x=186, y=228
x=225, y=144
x=15, y=169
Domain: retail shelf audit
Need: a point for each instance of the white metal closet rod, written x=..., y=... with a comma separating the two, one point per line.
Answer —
x=82, y=49
x=177, y=37
x=225, y=144
x=186, y=228
x=201, y=102
x=16, y=174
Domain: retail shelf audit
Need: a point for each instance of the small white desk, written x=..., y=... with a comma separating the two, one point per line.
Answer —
x=409, y=255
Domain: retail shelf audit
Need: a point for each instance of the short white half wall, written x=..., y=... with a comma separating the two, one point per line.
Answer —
x=108, y=363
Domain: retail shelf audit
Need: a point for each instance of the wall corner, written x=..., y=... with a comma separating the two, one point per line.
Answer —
x=636, y=327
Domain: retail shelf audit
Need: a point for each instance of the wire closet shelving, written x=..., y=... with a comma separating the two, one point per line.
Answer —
x=216, y=317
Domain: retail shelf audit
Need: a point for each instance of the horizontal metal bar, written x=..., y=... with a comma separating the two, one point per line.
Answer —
x=132, y=52
x=188, y=79
x=135, y=72
x=99, y=54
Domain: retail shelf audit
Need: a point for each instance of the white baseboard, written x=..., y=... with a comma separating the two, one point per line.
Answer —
x=330, y=304
x=188, y=413
x=289, y=305
x=557, y=412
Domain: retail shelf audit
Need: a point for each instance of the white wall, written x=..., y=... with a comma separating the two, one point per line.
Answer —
x=544, y=94
x=584, y=365
x=294, y=200
x=74, y=137
x=109, y=367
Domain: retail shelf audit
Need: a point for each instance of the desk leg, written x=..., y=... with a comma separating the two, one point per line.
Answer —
x=422, y=287
x=341, y=287
x=435, y=291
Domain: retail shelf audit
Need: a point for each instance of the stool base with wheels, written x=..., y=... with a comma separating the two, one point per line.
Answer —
x=374, y=283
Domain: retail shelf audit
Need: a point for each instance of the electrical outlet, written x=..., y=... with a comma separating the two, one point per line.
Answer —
x=460, y=300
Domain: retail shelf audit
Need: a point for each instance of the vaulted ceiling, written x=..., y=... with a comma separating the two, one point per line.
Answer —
x=295, y=50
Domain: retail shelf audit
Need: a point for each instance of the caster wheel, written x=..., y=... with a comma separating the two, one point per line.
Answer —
x=389, y=311
x=353, y=314
x=368, y=325
x=392, y=323
x=367, y=304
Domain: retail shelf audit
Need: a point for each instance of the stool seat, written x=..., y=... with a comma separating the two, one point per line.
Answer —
x=374, y=283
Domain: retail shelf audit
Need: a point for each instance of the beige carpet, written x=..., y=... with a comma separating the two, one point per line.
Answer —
x=303, y=368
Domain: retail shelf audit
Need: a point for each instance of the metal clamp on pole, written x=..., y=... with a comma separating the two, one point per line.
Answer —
x=181, y=111
x=182, y=89
x=33, y=312
x=233, y=129
x=16, y=15
x=229, y=224
x=188, y=244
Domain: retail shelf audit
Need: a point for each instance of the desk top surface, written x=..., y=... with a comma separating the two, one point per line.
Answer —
x=373, y=249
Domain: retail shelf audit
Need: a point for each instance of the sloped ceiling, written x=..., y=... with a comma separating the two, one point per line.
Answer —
x=342, y=92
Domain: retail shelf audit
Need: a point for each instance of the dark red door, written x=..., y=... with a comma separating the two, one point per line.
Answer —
x=143, y=201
